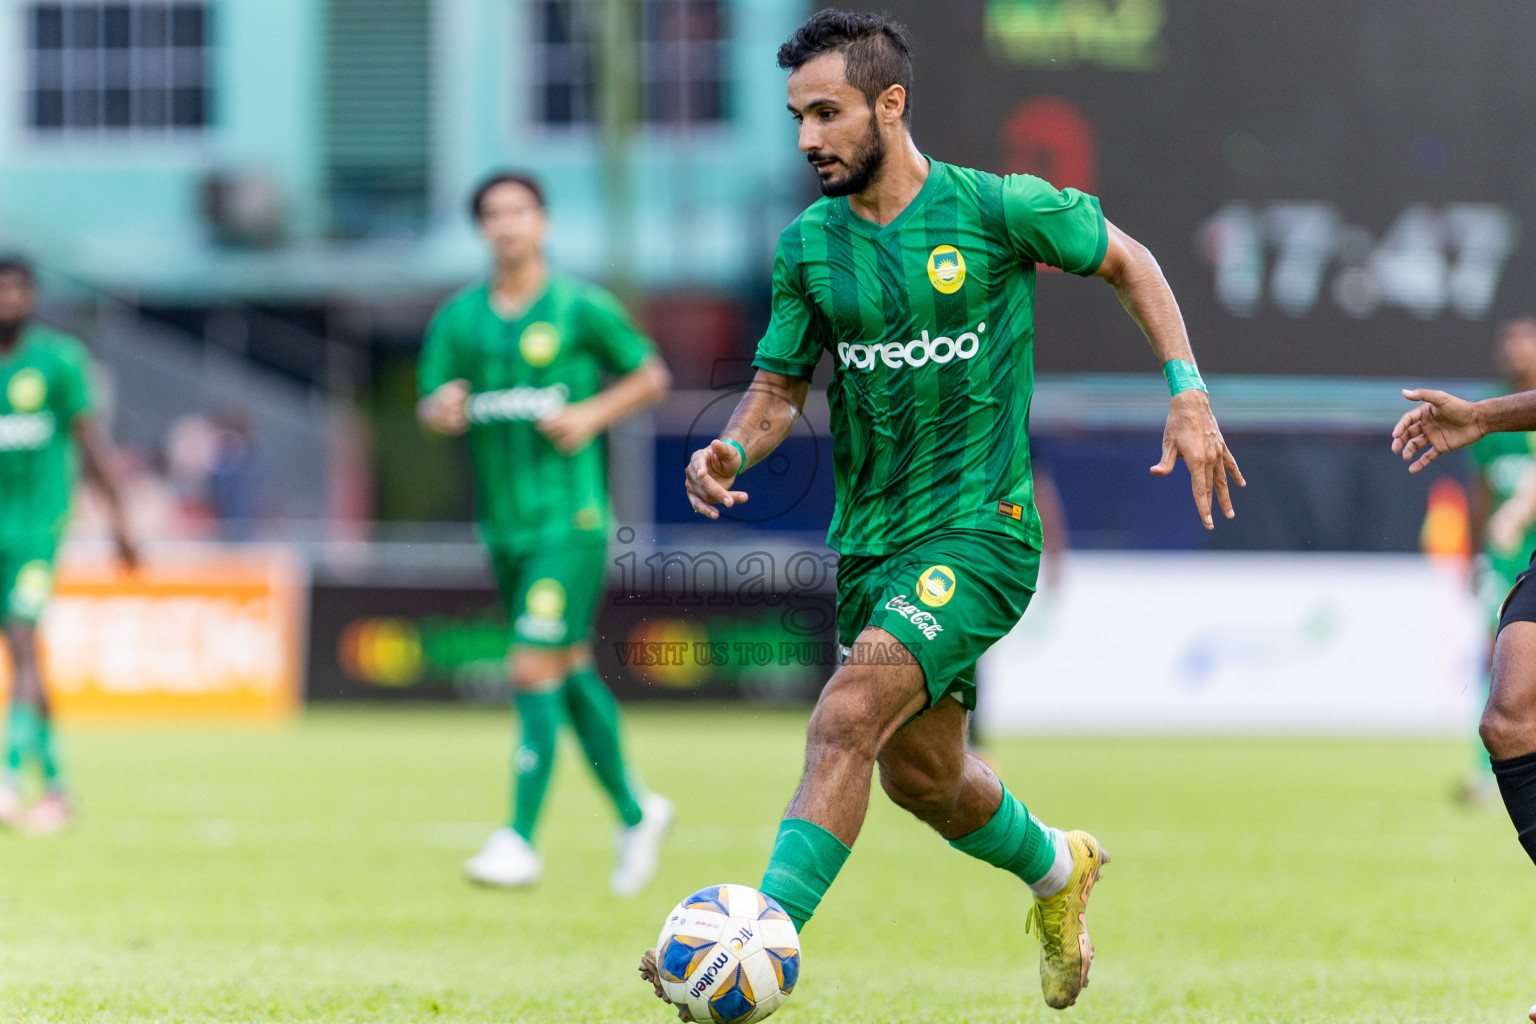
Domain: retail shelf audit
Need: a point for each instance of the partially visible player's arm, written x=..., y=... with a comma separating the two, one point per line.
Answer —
x=1443, y=423
x=442, y=376
x=98, y=459
x=1191, y=432
x=571, y=428
x=763, y=418
x=1479, y=509
x=442, y=409
x=1507, y=527
x=1053, y=526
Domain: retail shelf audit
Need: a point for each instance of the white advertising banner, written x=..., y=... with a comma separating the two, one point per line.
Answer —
x=1241, y=643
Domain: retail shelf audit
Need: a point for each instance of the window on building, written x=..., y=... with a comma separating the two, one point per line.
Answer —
x=683, y=79
x=103, y=67
x=564, y=87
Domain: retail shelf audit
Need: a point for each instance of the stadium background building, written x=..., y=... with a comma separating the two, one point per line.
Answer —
x=289, y=726
x=250, y=208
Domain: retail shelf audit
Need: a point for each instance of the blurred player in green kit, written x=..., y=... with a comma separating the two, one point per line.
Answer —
x=1503, y=510
x=46, y=429
x=518, y=363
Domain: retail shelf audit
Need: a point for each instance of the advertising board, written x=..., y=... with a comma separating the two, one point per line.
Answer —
x=1242, y=643
x=215, y=636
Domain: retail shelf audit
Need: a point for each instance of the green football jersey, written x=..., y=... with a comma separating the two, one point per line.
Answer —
x=44, y=386
x=930, y=323
x=519, y=372
x=1502, y=460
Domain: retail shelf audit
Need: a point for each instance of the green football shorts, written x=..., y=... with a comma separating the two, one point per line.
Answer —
x=947, y=597
x=551, y=591
x=26, y=576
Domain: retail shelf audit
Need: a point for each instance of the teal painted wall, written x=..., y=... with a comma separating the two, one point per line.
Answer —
x=123, y=212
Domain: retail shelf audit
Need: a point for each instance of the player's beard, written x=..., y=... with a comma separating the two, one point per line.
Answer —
x=864, y=166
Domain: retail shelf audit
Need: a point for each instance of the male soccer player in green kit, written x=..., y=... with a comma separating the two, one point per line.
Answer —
x=517, y=362
x=918, y=278
x=46, y=427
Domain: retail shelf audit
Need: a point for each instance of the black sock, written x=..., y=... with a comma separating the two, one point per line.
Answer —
x=1517, y=784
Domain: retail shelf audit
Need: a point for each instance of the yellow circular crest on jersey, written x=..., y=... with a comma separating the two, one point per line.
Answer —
x=26, y=389
x=546, y=599
x=946, y=269
x=539, y=343
x=936, y=586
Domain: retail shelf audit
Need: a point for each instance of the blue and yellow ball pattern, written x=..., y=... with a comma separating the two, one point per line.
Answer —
x=729, y=954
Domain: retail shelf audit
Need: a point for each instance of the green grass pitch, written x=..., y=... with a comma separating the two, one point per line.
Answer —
x=311, y=873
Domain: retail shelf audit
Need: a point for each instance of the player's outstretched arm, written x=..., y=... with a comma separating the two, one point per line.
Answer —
x=763, y=418
x=1443, y=423
x=573, y=427
x=98, y=459
x=1440, y=423
x=1191, y=433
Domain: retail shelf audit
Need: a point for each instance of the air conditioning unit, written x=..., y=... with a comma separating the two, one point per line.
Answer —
x=243, y=209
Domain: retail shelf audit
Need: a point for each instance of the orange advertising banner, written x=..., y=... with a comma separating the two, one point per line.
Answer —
x=215, y=637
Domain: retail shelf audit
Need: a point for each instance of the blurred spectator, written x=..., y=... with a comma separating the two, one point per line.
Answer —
x=234, y=479
x=191, y=449
x=215, y=474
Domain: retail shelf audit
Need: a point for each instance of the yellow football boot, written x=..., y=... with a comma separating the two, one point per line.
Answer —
x=1061, y=923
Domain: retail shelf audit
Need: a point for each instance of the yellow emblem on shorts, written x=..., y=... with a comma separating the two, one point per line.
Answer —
x=539, y=343
x=33, y=587
x=936, y=586
x=546, y=599
x=946, y=269
x=26, y=389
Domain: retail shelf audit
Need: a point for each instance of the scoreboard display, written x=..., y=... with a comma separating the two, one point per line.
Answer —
x=1335, y=187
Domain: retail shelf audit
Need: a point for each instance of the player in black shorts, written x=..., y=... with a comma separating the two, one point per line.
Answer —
x=1442, y=423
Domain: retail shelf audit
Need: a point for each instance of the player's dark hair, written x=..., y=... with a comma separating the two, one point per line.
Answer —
x=528, y=181
x=11, y=263
x=874, y=46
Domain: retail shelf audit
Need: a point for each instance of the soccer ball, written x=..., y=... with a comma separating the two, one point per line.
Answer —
x=728, y=954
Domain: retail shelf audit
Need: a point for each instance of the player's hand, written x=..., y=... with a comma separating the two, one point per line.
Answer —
x=1051, y=565
x=1442, y=423
x=1192, y=435
x=650, y=973
x=572, y=428
x=1505, y=529
x=710, y=474
x=443, y=411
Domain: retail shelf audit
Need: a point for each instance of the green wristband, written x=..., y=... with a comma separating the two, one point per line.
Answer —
x=742, y=451
x=1181, y=375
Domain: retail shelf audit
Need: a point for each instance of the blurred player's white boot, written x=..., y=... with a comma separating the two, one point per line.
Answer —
x=49, y=815
x=12, y=810
x=638, y=848
x=506, y=859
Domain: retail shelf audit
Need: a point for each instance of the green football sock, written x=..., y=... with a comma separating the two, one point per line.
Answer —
x=20, y=735
x=534, y=758
x=805, y=860
x=48, y=755
x=595, y=714
x=1016, y=841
